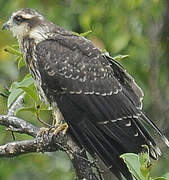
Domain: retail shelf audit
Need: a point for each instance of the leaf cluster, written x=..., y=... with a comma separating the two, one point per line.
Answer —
x=140, y=165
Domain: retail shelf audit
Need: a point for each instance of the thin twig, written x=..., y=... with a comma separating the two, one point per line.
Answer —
x=41, y=121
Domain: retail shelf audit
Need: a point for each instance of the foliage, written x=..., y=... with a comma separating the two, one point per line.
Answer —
x=14, y=50
x=130, y=27
x=139, y=165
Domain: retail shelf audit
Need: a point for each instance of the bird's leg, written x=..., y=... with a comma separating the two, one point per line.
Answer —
x=58, y=122
x=61, y=127
x=43, y=130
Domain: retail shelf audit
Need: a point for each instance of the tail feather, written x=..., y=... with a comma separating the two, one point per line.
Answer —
x=106, y=148
x=155, y=152
x=151, y=124
x=130, y=138
x=109, y=144
x=105, y=127
x=101, y=154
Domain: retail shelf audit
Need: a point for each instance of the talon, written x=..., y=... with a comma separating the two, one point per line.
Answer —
x=52, y=128
x=43, y=131
x=43, y=138
x=61, y=127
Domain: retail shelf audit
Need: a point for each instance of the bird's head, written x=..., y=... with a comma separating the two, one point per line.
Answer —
x=23, y=22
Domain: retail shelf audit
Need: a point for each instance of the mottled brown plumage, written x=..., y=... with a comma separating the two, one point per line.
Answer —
x=98, y=99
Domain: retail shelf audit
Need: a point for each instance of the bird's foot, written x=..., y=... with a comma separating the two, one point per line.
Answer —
x=44, y=136
x=43, y=139
x=55, y=129
x=58, y=128
x=43, y=130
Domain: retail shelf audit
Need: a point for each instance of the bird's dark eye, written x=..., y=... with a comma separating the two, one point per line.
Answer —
x=18, y=19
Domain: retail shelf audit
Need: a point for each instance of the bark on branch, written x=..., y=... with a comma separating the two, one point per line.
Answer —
x=46, y=143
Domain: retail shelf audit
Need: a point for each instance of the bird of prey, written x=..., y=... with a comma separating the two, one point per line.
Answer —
x=100, y=102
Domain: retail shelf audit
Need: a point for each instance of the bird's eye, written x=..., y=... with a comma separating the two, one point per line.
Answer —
x=18, y=19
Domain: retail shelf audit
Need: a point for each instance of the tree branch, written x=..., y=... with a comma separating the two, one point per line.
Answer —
x=16, y=105
x=17, y=148
x=18, y=125
x=46, y=143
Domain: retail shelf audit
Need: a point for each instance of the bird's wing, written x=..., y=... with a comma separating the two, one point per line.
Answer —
x=96, y=97
x=127, y=81
x=87, y=70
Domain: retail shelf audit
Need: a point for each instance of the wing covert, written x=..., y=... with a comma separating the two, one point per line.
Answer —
x=76, y=71
x=79, y=67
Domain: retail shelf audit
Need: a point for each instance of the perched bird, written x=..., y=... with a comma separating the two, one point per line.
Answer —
x=98, y=99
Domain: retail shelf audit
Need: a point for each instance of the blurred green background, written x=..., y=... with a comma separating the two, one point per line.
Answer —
x=139, y=28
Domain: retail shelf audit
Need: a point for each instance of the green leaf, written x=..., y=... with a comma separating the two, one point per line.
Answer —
x=105, y=52
x=4, y=94
x=15, y=46
x=14, y=50
x=144, y=156
x=11, y=50
x=21, y=62
x=167, y=176
x=29, y=109
x=145, y=162
x=27, y=81
x=160, y=178
x=85, y=34
x=17, y=88
x=13, y=86
x=120, y=57
x=44, y=107
x=31, y=92
x=27, y=76
x=13, y=96
x=133, y=164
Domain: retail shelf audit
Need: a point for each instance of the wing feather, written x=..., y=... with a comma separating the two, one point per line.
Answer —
x=99, y=100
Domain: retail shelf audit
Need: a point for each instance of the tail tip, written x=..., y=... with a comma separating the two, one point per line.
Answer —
x=165, y=140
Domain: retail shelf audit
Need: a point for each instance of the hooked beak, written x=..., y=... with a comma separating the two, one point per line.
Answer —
x=5, y=26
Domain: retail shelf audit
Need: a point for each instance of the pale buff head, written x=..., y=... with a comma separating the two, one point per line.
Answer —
x=25, y=22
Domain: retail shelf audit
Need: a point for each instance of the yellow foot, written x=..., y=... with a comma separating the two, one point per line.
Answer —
x=60, y=127
x=54, y=129
x=43, y=131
